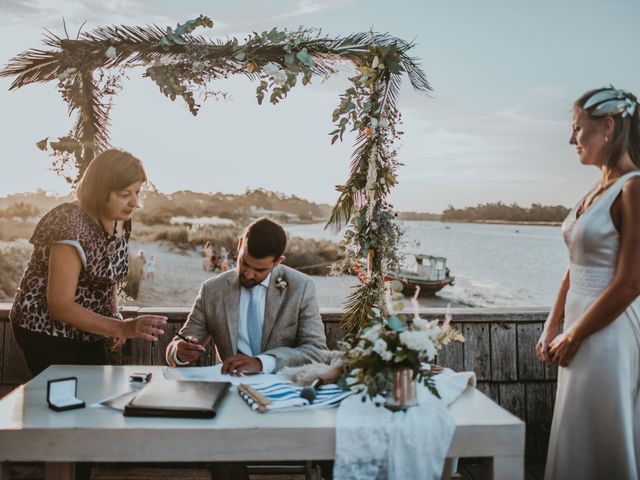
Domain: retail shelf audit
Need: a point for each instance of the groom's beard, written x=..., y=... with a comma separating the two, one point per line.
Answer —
x=247, y=283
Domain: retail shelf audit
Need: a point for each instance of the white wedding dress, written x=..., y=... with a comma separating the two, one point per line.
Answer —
x=595, y=432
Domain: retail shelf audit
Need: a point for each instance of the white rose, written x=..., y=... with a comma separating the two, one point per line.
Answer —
x=380, y=346
x=372, y=334
x=416, y=340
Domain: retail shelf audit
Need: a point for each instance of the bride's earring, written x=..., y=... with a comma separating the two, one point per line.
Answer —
x=606, y=139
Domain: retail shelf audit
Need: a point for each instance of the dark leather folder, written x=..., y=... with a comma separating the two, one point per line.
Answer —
x=177, y=398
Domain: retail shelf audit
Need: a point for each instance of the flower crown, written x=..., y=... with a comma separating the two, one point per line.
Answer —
x=611, y=102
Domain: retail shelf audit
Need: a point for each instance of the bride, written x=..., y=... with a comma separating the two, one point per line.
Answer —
x=595, y=433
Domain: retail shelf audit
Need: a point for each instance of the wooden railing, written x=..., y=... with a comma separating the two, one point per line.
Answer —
x=499, y=348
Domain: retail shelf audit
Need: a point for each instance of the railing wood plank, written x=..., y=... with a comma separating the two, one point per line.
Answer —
x=529, y=367
x=503, y=352
x=512, y=397
x=477, y=350
x=14, y=366
x=452, y=355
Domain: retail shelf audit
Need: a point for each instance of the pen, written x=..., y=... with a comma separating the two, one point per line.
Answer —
x=182, y=337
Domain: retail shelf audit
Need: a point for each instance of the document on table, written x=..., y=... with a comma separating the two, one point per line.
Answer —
x=117, y=402
x=214, y=374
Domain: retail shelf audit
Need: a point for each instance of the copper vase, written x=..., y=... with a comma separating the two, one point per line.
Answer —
x=402, y=393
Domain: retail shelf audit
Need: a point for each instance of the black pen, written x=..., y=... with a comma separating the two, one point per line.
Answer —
x=179, y=335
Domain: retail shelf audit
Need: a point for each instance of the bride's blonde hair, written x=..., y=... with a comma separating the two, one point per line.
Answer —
x=626, y=133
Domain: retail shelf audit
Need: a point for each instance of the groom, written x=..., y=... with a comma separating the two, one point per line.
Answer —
x=261, y=316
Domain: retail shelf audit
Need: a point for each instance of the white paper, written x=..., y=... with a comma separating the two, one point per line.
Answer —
x=214, y=374
x=117, y=402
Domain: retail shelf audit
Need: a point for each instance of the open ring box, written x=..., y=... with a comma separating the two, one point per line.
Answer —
x=61, y=394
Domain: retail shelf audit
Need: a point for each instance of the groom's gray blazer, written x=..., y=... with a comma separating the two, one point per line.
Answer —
x=293, y=331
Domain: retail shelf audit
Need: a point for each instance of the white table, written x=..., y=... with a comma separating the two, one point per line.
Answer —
x=30, y=431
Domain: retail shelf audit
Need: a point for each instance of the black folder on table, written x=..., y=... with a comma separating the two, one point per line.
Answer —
x=177, y=398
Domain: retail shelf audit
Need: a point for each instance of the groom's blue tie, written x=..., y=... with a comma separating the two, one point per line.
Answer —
x=254, y=321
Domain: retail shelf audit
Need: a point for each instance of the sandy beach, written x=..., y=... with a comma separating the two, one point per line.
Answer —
x=179, y=275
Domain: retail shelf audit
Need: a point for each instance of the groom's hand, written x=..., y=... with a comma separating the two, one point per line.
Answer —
x=189, y=351
x=241, y=364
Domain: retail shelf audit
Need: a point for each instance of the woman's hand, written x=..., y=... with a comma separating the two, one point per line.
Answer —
x=146, y=327
x=542, y=347
x=563, y=348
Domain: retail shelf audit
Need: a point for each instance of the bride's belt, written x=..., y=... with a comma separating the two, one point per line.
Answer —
x=589, y=280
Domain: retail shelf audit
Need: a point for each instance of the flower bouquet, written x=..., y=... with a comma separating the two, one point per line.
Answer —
x=392, y=343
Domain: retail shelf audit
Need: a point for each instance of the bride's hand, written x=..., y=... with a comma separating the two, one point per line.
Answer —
x=563, y=348
x=542, y=347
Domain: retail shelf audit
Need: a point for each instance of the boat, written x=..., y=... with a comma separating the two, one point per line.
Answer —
x=430, y=274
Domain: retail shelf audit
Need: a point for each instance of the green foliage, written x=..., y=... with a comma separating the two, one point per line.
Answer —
x=14, y=257
x=174, y=81
x=177, y=36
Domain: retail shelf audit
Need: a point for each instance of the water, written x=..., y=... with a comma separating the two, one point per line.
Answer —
x=494, y=265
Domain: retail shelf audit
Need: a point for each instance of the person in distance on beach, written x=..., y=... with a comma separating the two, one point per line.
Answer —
x=66, y=302
x=595, y=432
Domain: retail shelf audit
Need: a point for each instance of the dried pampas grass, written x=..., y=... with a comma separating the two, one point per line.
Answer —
x=306, y=374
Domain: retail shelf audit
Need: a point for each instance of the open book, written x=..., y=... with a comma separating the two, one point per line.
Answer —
x=284, y=395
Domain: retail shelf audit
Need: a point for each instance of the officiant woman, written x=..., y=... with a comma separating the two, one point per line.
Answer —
x=66, y=310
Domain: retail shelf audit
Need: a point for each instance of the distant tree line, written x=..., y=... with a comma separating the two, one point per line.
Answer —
x=159, y=208
x=506, y=213
x=20, y=210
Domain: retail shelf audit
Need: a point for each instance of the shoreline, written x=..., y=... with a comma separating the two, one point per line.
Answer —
x=506, y=222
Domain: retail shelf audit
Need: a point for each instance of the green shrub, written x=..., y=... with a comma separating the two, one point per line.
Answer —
x=14, y=257
x=134, y=277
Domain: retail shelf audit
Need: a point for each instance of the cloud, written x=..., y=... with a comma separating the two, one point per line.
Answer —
x=75, y=12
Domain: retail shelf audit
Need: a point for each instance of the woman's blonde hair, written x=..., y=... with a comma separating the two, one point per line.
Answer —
x=110, y=171
x=626, y=135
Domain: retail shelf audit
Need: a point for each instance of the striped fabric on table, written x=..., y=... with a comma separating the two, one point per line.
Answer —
x=281, y=395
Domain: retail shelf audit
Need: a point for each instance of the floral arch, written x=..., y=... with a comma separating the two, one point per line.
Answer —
x=88, y=71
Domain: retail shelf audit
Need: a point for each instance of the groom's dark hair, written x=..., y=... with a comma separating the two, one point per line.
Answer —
x=265, y=238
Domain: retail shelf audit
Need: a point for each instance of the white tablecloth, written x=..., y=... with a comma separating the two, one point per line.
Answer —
x=375, y=443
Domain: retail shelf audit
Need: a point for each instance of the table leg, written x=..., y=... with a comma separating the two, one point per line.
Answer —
x=506, y=468
x=59, y=471
x=447, y=470
x=5, y=474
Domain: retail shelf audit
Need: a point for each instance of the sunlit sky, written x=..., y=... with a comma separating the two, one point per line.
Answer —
x=504, y=73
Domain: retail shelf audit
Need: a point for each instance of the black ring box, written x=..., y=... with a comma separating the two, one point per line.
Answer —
x=58, y=396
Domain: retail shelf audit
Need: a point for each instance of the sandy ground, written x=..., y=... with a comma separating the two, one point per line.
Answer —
x=179, y=275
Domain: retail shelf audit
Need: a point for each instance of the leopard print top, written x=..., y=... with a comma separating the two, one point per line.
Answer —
x=106, y=262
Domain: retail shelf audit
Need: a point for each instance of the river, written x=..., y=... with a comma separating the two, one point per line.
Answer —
x=494, y=265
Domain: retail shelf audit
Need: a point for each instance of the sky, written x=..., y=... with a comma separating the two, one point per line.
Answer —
x=505, y=75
